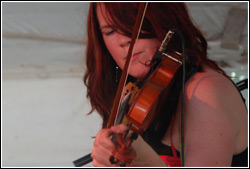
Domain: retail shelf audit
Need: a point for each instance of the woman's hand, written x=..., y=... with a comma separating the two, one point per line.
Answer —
x=104, y=147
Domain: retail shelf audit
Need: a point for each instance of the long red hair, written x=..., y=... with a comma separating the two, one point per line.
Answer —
x=100, y=76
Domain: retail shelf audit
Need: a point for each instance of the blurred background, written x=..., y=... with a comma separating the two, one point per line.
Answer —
x=44, y=105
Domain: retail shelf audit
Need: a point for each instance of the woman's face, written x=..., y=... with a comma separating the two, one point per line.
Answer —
x=118, y=45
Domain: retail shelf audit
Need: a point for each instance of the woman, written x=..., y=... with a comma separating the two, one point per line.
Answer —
x=215, y=115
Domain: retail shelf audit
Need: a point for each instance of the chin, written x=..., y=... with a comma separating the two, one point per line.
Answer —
x=140, y=75
x=139, y=71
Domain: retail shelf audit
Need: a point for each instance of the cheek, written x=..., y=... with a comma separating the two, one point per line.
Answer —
x=111, y=46
x=154, y=46
x=151, y=45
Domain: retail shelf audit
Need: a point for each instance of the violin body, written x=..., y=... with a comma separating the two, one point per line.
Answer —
x=151, y=97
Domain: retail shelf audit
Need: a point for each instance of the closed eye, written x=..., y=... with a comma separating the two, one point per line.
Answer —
x=109, y=33
x=106, y=30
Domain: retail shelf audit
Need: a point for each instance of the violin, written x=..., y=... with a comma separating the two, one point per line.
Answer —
x=136, y=107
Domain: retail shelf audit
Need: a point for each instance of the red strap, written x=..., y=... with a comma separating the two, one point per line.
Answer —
x=171, y=161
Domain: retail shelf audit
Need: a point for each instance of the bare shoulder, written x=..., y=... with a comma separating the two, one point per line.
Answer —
x=215, y=120
x=203, y=83
x=213, y=88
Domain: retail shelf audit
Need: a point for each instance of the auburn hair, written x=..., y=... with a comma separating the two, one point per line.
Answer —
x=100, y=76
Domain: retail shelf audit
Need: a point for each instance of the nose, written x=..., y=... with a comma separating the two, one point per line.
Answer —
x=124, y=41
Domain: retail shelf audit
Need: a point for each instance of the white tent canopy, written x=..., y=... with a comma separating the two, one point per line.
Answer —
x=44, y=121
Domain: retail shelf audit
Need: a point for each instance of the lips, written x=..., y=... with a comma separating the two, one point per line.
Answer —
x=135, y=55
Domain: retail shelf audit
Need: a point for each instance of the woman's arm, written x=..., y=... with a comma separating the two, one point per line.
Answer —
x=211, y=121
